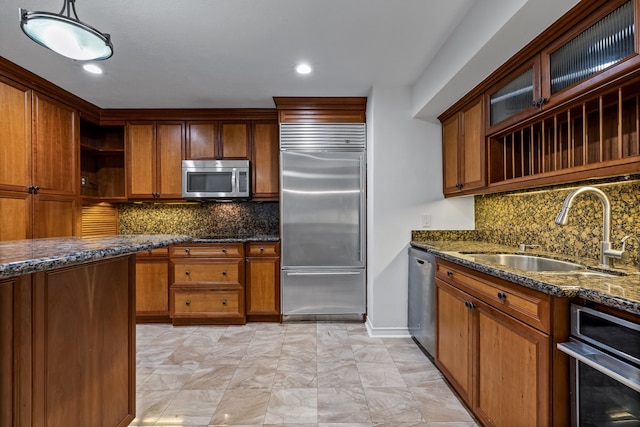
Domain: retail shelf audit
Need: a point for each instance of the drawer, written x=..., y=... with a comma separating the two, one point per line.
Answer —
x=222, y=250
x=157, y=252
x=229, y=272
x=263, y=249
x=530, y=306
x=206, y=302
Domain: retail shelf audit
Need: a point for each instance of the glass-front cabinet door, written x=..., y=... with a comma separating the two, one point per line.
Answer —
x=603, y=42
x=516, y=96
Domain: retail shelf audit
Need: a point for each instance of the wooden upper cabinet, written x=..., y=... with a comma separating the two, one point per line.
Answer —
x=15, y=136
x=265, y=161
x=170, y=142
x=154, y=159
x=516, y=97
x=140, y=157
x=217, y=140
x=463, y=150
x=563, y=109
x=450, y=148
x=234, y=140
x=56, y=146
x=201, y=140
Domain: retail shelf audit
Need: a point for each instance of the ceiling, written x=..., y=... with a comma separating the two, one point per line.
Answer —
x=240, y=53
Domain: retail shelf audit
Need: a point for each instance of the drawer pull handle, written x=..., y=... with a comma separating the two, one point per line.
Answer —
x=186, y=250
x=187, y=272
x=502, y=296
x=224, y=250
x=261, y=249
x=224, y=302
x=450, y=273
x=188, y=302
x=224, y=272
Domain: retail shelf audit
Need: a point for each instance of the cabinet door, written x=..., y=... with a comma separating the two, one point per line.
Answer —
x=152, y=289
x=56, y=216
x=454, y=337
x=513, y=371
x=141, y=159
x=15, y=136
x=15, y=351
x=263, y=289
x=472, y=154
x=84, y=345
x=450, y=137
x=234, y=140
x=266, y=161
x=201, y=140
x=56, y=147
x=170, y=143
x=16, y=215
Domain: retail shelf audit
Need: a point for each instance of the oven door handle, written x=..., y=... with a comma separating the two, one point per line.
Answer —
x=602, y=362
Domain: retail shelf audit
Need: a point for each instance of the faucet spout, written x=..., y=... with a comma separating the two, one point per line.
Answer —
x=562, y=218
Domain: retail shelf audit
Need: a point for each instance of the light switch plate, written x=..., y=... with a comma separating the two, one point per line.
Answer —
x=426, y=220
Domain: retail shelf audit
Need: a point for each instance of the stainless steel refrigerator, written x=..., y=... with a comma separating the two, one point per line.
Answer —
x=322, y=219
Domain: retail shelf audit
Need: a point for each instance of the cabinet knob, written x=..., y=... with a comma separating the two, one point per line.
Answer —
x=469, y=305
x=224, y=250
x=450, y=273
x=224, y=272
x=186, y=250
x=262, y=249
x=502, y=296
x=187, y=272
x=187, y=302
x=224, y=302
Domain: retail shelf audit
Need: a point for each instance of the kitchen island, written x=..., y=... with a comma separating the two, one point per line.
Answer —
x=67, y=329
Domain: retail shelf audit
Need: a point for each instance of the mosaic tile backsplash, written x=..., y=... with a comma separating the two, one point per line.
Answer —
x=529, y=217
x=200, y=219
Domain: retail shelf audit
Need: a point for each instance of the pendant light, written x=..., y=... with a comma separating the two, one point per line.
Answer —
x=65, y=34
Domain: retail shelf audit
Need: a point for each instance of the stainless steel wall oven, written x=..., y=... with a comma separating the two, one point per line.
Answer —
x=605, y=369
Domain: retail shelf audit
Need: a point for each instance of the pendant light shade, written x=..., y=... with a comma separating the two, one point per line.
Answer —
x=65, y=34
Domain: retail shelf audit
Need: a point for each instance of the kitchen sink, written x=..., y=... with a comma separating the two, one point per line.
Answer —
x=529, y=262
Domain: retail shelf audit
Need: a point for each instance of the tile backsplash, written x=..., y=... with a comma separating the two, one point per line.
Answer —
x=200, y=219
x=529, y=217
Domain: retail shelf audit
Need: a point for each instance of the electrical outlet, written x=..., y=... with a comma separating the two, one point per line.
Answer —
x=83, y=180
x=426, y=220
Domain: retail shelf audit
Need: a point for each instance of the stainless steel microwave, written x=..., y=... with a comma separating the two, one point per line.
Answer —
x=215, y=179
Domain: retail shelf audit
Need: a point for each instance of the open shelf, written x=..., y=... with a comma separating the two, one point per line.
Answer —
x=600, y=130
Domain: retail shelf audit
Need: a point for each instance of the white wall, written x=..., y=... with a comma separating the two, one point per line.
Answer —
x=404, y=177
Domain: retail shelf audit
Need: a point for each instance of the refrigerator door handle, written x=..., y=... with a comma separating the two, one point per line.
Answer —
x=322, y=273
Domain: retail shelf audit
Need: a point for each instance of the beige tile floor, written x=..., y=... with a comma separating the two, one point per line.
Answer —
x=292, y=374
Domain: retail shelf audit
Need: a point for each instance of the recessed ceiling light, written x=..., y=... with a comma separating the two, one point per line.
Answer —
x=303, y=68
x=92, y=68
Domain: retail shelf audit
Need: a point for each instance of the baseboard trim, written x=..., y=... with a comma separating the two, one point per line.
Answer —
x=395, y=332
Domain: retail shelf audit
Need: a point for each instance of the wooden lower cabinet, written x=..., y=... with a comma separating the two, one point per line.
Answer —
x=67, y=341
x=207, y=284
x=263, y=281
x=152, y=286
x=501, y=366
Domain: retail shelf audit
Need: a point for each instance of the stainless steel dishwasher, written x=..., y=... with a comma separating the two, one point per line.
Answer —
x=422, y=299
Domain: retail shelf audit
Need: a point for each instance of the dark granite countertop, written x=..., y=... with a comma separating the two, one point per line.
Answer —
x=617, y=291
x=18, y=257
x=236, y=238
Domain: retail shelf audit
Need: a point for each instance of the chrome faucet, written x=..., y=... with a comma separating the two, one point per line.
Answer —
x=606, y=253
